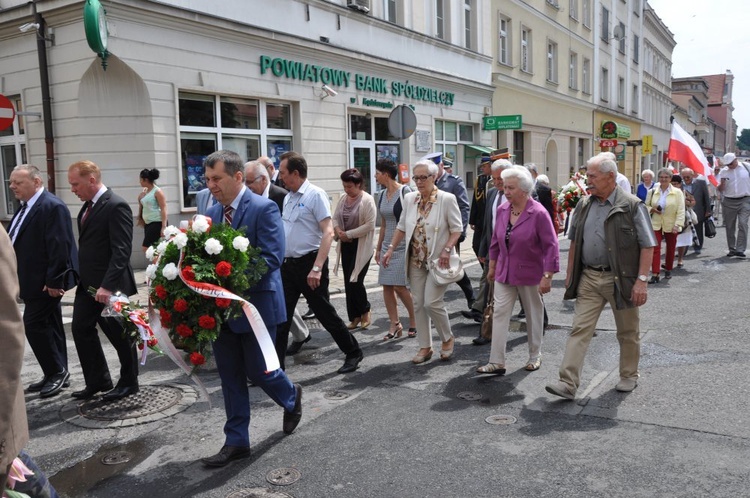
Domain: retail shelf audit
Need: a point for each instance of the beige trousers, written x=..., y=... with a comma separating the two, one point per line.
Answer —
x=595, y=290
x=505, y=297
x=429, y=307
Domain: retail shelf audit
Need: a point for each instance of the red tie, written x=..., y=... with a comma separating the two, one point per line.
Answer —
x=86, y=214
x=228, y=212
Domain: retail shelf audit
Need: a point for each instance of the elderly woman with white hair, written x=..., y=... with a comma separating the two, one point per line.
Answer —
x=431, y=225
x=647, y=183
x=523, y=256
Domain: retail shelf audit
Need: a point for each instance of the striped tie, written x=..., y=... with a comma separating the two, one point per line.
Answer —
x=228, y=212
x=19, y=219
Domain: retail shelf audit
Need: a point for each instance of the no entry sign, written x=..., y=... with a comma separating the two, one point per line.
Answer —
x=7, y=113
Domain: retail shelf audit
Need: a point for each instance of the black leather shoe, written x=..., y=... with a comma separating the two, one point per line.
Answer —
x=472, y=315
x=291, y=419
x=309, y=314
x=351, y=362
x=296, y=346
x=120, y=392
x=226, y=455
x=37, y=386
x=55, y=384
x=90, y=392
x=480, y=341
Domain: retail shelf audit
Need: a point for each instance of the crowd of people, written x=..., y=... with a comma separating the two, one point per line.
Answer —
x=514, y=213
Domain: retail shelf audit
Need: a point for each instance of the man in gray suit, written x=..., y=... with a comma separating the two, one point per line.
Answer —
x=699, y=190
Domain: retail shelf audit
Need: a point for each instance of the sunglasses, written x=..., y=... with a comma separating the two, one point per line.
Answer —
x=420, y=178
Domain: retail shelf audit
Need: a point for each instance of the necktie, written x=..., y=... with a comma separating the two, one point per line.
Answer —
x=19, y=219
x=86, y=214
x=228, y=212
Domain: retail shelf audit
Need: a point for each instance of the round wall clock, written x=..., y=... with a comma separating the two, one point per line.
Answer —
x=95, y=25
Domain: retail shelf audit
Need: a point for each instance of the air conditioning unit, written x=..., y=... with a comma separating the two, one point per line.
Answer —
x=360, y=5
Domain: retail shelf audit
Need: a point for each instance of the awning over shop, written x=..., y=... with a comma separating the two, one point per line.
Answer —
x=474, y=151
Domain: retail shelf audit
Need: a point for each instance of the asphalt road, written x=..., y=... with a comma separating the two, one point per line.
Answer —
x=394, y=429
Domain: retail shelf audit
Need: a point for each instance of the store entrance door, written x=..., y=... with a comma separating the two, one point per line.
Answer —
x=362, y=157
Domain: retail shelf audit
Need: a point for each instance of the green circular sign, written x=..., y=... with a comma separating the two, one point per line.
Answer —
x=95, y=24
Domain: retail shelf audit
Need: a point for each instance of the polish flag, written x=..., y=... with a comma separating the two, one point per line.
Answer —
x=684, y=148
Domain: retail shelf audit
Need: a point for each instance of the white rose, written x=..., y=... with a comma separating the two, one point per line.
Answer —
x=150, y=253
x=241, y=243
x=170, y=271
x=180, y=240
x=213, y=246
x=162, y=246
x=151, y=271
x=171, y=231
x=200, y=224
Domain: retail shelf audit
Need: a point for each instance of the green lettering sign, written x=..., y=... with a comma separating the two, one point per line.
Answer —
x=512, y=122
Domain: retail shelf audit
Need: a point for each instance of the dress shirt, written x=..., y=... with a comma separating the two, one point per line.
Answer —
x=302, y=214
x=29, y=204
x=738, y=181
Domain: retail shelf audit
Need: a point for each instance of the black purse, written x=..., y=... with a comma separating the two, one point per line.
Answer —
x=709, y=228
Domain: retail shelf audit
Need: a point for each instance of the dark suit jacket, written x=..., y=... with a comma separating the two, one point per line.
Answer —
x=265, y=230
x=702, y=206
x=277, y=194
x=484, y=244
x=104, y=245
x=45, y=248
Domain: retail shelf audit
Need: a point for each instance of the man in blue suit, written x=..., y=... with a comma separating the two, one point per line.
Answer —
x=238, y=355
x=42, y=236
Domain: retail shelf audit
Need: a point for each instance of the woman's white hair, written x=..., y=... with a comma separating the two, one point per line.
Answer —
x=648, y=172
x=543, y=179
x=432, y=168
x=525, y=182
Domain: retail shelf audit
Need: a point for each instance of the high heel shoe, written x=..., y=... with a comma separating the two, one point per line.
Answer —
x=446, y=353
x=412, y=332
x=355, y=323
x=421, y=358
x=654, y=279
x=366, y=320
x=395, y=331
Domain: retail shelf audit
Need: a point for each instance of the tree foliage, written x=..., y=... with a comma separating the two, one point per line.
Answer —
x=743, y=141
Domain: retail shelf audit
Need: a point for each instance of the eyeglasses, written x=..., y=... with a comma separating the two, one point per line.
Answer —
x=421, y=178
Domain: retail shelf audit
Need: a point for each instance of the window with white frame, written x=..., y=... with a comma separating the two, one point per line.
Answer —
x=621, y=41
x=449, y=134
x=551, y=61
x=573, y=74
x=390, y=8
x=636, y=49
x=635, y=101
x=586, y=13
x=573, y=9
x=605, y=25
x=249, y=127
x=526, y=50
x=503, y=41
x=621, y=92
x=586, y=76
x=604, y=84
x=440, y=19
x=468, y=24
x=12, y=153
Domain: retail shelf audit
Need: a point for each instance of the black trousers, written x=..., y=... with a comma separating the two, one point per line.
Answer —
x=356, y=294
x=294, y=273
x=465, y=283
x=87, y=313
x=42, y=319
x=699, y=232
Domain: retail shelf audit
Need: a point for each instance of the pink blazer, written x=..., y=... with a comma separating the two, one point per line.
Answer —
x=533, y=247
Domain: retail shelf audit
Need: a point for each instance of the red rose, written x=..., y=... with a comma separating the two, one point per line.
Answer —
x=180, y=305
x=183, y=330
x=140, y=345
x=568, y=195
x=223, y=303
x=188, y=273
x=152, y=342
x=197, y=359
x=223, y=269
x=207, y=322
x=161, y=292
x=165, y=316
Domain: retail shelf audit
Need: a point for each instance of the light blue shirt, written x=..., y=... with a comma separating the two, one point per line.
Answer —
x=302, y=214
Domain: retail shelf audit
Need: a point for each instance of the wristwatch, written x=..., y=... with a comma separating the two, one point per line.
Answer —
x=316, y=268
x=643, y=278
x=547, y=275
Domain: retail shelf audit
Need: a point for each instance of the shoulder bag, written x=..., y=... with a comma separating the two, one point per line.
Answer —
x=709, y=228
x=455, y=270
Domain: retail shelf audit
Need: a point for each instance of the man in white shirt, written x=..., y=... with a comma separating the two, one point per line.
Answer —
x=734, y=185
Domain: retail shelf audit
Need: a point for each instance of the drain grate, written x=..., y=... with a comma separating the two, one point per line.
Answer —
x=116, y=458
x=283, y=476
x=500, y=419
x=335, y=395
x=469, y=396
x=258, y=493
x=149, y=400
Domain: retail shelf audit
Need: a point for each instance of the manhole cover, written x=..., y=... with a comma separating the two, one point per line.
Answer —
x=116, y=458
x=469, y=396
x=283, y=476
x=335, y=395
x=500, y=419
x=258, y=493
x=149, y=400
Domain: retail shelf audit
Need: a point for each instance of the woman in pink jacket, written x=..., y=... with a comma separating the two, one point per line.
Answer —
x=523, y=256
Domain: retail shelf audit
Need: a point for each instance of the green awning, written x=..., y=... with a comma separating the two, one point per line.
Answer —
x=474, y=151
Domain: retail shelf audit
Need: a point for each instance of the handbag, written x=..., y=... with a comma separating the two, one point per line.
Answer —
x=455, y=270
x=690, y=214
x=709, y=228
x=489, y=311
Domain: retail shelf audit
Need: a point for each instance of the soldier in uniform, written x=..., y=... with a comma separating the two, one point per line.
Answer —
x=454, y=185
x=476, y=215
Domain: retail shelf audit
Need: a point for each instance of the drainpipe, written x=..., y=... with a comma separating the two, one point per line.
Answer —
x=49, y=138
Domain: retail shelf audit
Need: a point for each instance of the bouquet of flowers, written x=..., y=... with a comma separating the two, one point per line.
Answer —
x=193, y=263
x=135, y=322
x=18, y=473
x=571, y=193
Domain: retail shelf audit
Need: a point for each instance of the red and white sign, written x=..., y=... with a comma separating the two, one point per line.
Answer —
x=7, y=113
x=607, y=143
